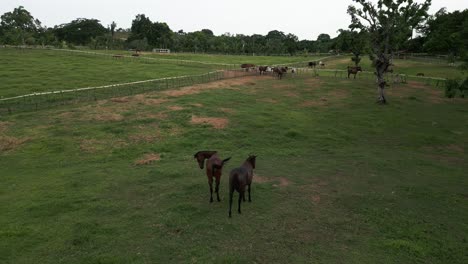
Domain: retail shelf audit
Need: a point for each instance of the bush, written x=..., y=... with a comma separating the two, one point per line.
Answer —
x=451, y=87
x=463, y=87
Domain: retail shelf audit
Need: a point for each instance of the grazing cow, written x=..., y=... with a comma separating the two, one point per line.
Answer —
x=214, y=167
x=312, y=64
x=247, y=66
x=321, y=64
x=420, y=74
x=354, y=70
x=239, y=178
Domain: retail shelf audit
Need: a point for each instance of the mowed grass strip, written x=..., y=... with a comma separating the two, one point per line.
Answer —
x=28, y=71
x=338, y=177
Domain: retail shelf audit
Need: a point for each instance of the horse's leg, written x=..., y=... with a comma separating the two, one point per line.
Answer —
x=241, y=194
x=250, y=200
x=355, y=76
x=231, y=193
x=210, y=182
x=217, y=188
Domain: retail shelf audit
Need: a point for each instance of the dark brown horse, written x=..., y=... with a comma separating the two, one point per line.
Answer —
x=214, y=168
x=354, y=70
x=263, y=69
x=312, y=64
x=247, y=66
x=239, y=178
x=280, y=71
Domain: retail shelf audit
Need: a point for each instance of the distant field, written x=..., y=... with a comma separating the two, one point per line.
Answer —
x=228, y=59
x=403, y=66
x=28, y=71
x=339, y=179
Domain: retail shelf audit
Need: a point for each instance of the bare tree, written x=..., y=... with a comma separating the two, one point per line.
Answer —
x=390, y=23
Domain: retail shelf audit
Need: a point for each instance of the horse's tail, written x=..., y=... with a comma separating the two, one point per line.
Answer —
x=215, y=167
x=224, y=161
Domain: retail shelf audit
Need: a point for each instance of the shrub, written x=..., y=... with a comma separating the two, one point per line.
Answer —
x=463, y=87
x=451, y=86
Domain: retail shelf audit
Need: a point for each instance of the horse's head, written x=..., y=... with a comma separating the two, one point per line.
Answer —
x=251, y=159
x=200, y=159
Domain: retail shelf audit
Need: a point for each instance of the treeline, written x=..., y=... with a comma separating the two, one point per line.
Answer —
x=443, y=33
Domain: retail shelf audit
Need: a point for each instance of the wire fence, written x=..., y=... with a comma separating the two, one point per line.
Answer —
x=37, y=101
x=391, y=78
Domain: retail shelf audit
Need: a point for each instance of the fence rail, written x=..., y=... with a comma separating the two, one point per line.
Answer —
x=36, y=101
x=391, y=78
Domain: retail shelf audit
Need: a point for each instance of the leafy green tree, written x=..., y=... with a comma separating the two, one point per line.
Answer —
x=18, y=26
x=447, y=32
x=390, y=24
x=80, y=31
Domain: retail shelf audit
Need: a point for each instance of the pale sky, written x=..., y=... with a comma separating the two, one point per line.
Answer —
x=304, y=18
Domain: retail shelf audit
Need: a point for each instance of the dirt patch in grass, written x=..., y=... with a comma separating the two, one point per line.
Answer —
x=313, y=103
x=197, y=105
x=224, y=84
x=216, y=122
x=175, y=108
x=227, y=110
x=157, y=116
x=89, y=145
x=282, y=86
x=449, y=154
x=4, y=126
x=453, y=148
x=113, y=117
x=11, y=143
x=291, y=94
x=282, y=182
x=148, y=159
x=267, y=100
x=120, y=100
x=312, y=81
x=260, y=179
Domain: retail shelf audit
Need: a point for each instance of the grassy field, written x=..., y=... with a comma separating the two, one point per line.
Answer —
x=228, y=59
x=54, y=70
x=408, y=67
x=339, y=179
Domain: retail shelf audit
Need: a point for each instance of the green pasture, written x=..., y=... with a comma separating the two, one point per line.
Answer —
x=29, y=71
x=409, y=67
x=339, y=179
x=227, y=59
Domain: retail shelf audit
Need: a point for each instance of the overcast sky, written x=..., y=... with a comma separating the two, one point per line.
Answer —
x=304, y=18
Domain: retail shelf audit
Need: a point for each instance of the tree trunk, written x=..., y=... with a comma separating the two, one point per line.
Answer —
x=381, y=85
x=381, y=66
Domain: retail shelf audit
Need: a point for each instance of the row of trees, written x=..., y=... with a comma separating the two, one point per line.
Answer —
x=442, y=33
